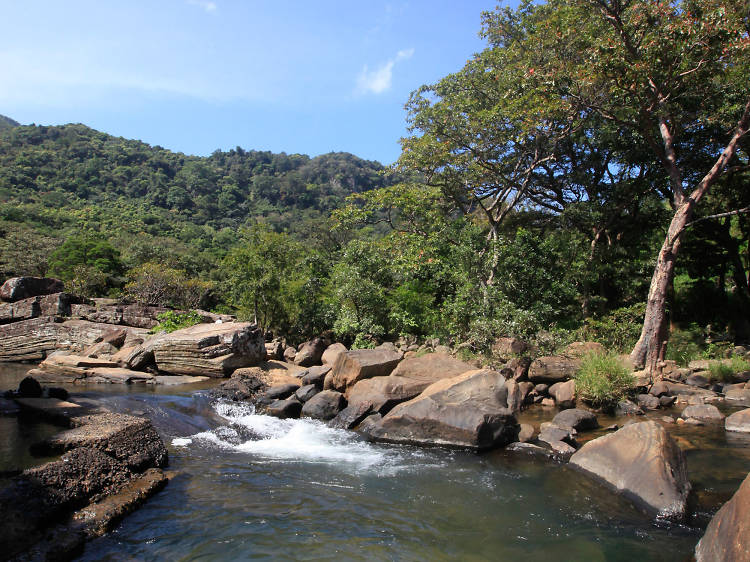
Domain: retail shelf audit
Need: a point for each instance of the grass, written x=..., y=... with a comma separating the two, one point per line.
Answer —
x=602, y=380
x=172, y=321
x=720, y=371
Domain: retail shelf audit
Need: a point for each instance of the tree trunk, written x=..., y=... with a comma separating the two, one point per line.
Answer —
x=650, y=347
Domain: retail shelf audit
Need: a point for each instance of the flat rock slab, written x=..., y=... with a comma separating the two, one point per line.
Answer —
x=17, y=288
x=727, y=537
x=174, y=380
x=703, y=412
x=119, y=375
x=49, y=407
x=738, y=421
x=553, y=369
x=642, y=462
x=353, y=366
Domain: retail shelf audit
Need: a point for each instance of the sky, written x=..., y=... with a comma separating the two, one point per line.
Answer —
x=304, y=76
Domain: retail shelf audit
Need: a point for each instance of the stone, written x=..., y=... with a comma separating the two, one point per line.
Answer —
x=468, y=411
x=648, y=402
x=525, y=388
x=316, y=375
x=17, y=288
x=738, y=421
x=353, y=366
x=289, y=354
x=515, y=400
x=697, y=380
x=667, y=401
x=667, y=419
x=240, y=387
x=381, y=394
x=529, y=449
x=280, y=392
x=703, y=412
x=101, y=349
x=283, y=409
x=552, y=369
x=727, y=537
x=274, y=350
x=430, y=368
x=564, y=394
x=628, y=408
x=679, y=389
x=659, y=389
x=304, y=393
x=324, y=406
x=741, y=395
x=526, y=433
x=642, y=462
x=332, y=352
x=29, y=387
x=561, y=448
x=579, y=349
x=542, y=389
x=351, y=416
x=517, y=368
x=328, y=381
x=506, y=347
x=550, y=433
x=548, y=402
x=310, y=353
x=30, y=340
x=577, y=419
x=213, y=350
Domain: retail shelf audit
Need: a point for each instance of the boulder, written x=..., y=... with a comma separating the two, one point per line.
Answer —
x=526, y=433
x=214, y=350
x=517, y=368
x=738, y=421
x=727, y=537
x=515, y=396
x=506, y=347
x=550, y=433
x=304, y=393
x=642, y=462
x=283, y=409
x=353, y=366
x=332, y=352
x=703, y=412
x=316, y=375
x=577, y=419
x=289, y=354
x=381, y=394
x=324, y=406
x=29, y=387
x=17, y=288
x=698, y=380
x=659, y=389
x=351, y=416
x=648, y=402
x=579, y=349
x=240, y=387
x=280, y=392
x=525, y=388
x=469, y=410
x=679, y=389
x=564, y=394
x=274, y=350
x=310, y=353
x=667, y=401
x=430, y=368
x=552, y=369
x=29, y=340
x=628, y=408
x=741, y=395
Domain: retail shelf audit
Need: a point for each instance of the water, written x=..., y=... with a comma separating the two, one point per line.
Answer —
x=253, y=487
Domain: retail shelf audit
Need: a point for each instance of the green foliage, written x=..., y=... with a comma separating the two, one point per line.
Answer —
x=363, y=341
x=158, y=285
x=172, y=320
x=618, y=330
x=686, y=344
x=602, y=380
x=718, y=371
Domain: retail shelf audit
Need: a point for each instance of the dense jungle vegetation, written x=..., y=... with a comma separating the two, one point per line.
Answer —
x=543, y=187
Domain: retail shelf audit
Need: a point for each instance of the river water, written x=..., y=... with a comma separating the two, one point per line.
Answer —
x=247, y=486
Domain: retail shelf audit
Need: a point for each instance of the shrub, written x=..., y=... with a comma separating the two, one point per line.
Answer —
x=171, y=321
x=718, y=371
x=602, y=380
x=618, y=330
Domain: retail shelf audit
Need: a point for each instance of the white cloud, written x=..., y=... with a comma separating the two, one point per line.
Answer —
x=207, y=5
x=379, y=80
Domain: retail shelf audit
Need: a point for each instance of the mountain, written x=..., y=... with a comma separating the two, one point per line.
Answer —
x=7, y=123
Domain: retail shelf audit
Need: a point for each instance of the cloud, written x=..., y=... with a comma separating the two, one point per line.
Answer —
x=379, y=80
x=207, y=5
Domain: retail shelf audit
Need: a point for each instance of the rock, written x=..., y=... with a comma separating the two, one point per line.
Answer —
x=506, y=347
x=351, y=416
x=213, y=350
x=430, y=368
x=577, y=419
x=679, y=389
x=727, y=537
x=29, y=388
x=274, y=350
x=648, y=402
x=579, y=349
x=525, y=389
x=529, y=449
x=332, y=352
x=101, y=349
x=564, y=394
x=697, y=380
x=515, y=399
x=17, y=288
x=667, y=401
x=58, y=304
x=381, y=394
x=304, y=393
x=642, y=462
x=8, y=407
x=659, y=389
x=548, y=402
x=29, y=340
x=738, y=395
x=552, y=369
x=57, y=392
x=353, y=366
x=469, y=410
x=667, y=419
x=239, y=387
x=526, y=433
x=443, y=349
x=324, y=406
x=517, y=368
x=561, y=448
x=316, y=375
x=289, y=354
x=280, y=392
x=628, y=408
x=310, y=353
x=550, y=433
x=703, y=412
x=542, y=389
x=283, y=409
x=117, y=375
x=328, y=381
x=739, y=421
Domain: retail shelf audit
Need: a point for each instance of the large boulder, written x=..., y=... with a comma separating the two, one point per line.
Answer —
x=552, y=369
x=564, y=394
x=738, y=421
x=577, y=419
x=310, y=353
x=332, y=352
x=642, y=462
x=215, y=350
x=727, y=537
x=703, y=412
x=324, y=406
x=430, y=368
x=507, y=346
x=29, y=340
x=17, y=288
x=469, y=410
x=579, y=349
x=358, y=364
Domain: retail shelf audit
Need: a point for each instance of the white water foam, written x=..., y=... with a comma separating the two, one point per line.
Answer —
x=303, y=440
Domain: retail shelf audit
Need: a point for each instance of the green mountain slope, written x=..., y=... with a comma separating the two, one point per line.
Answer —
x=7, y=123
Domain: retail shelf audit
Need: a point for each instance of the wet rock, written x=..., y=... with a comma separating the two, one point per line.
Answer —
x=17, y=288
x=353, y=366
x=469, y=410
x=8, y=407
x=324, y=406
x=667, y=401
x=648, y=402
x=351, y=416
x=239, y=387
x=561, y=448
x=29, y=388
x=659, y=389
x=738, y=421
x=642, y=462
x=529, y=449
x=280, y=392
x=667, y=419
x=628, y=408
x=316, y=375
x=304, y=393
x=56, y=392
x=564, y=394
x=727, y=537
x=552, y=369
x=575, y=418
x=283, y=409
x=703, y=412
x=332, y=352
x=310, y=353
x=551, y=433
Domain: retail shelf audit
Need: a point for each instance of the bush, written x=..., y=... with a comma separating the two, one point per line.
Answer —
x=619, y=330
x=718, y=371
x=172, y=321
x=602, y=380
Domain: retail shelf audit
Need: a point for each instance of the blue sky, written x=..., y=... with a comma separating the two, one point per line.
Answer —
x=199, y=75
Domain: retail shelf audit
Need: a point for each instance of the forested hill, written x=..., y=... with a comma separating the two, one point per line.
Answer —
x=71, y=166
x=7, y=123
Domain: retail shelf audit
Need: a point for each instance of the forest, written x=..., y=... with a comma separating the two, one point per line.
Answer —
x=585, y=176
